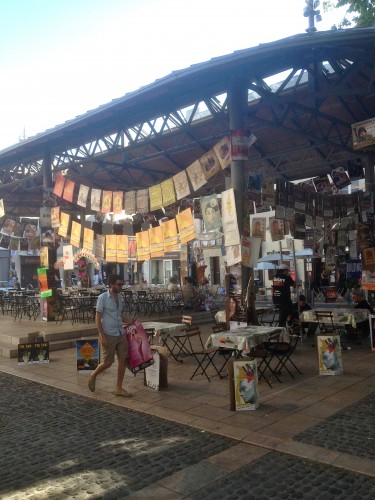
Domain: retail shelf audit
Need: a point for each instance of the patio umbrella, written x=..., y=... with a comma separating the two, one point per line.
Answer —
x=275, y=256
x=263, y=266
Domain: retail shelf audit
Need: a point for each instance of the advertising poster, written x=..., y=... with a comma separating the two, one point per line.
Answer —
x=167, y=191
x=230, y=224
x=142, y=198
x=363, y=134
x=68, y=190
x=59, y=185
x=222, y=150
x=185, y=224
x=82, y=196
x=196, y=175
x=156, y=198
x=329, y=355
x=156, y=241
x=181, y=185
x=96, y=196
x=210, y=164
x=117, y=200
x=122, y=246
x=143, y=246
x=110, y=247
x=75, y=236
x=211, y=212
x=129, y=203
x=170, y=235
x=55, y=217
x=88, y=239
x=88, y=355
x=33, y=353
x=239, y=141
x=64, y=224
x=246, y=384
x=152, y=373
x=140, y=354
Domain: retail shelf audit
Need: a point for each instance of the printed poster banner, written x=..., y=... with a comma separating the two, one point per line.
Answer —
x=106, y=202
x=152, y=373
x=143, y=245
x=196, y=175
x=211, y=212
x=88, y=355
x=233, y=255
x=156, y=241
x=68, y=257
x=185, y=224
x=168, y=194
x=239, y=141
x=118, y=197
x=250, y=251
x=2, y=210
x=210, y=164
x=181, y=185
x=170, y=235
x=82, y=196
x=96, y=195
x=130, y=202
x=156, y=198
x=88, y=239
x=142, y=199
x=246, y=384
x=68, y=190
x=122, y=244
x=33, y=353
x=276, y=229
x=55, y=217
x=64, y=224
x=258, y=227
x=99, y=246
x=110, y=247
x=222, y=150
x=363, y=134
x=230, y=225
x=59, y=185
x=329, y=355
x=75, y=236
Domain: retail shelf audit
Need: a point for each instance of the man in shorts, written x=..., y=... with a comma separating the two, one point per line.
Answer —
x=109, y=322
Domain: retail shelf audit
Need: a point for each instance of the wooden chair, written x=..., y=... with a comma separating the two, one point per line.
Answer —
x=204, y=358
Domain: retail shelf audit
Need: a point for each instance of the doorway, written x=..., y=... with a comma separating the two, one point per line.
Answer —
x=215, y=270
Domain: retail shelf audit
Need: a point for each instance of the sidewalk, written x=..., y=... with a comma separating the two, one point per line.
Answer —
x=306, y=418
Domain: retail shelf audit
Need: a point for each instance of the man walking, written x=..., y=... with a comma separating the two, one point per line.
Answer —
x=109, y=322
x=281, y=293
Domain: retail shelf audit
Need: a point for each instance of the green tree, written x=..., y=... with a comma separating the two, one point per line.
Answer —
x=359, y=13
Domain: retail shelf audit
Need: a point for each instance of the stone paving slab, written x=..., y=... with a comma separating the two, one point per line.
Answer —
x=59, y=445
x=350, y=430
x=283, y=477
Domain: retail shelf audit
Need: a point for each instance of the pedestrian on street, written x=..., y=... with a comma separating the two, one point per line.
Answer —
x=109, y=321
x=281, y=295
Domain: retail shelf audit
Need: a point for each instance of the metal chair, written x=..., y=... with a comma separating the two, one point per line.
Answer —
x=204, y=358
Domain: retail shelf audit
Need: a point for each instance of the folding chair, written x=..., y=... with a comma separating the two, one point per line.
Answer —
x=226, y=353
x=179, y=340
x=203, y=357
x=262, y=353
x=328, y=326
x=273, y=320
x=283, y=351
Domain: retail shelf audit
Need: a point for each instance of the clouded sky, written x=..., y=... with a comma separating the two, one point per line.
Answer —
x=61, y=58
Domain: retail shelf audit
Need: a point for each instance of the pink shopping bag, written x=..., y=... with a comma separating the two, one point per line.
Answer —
x=140, y=355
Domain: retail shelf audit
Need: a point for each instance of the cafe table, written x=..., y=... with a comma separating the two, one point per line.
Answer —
x=163, y=331
x=244, y=338
x=343, y=316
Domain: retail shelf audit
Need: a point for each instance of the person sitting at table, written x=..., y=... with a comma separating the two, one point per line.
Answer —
x=298, y=308
x=190, y=295
x=281, y=296
x=360, y=302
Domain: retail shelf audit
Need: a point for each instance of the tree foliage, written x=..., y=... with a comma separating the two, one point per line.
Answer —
x=359, y=13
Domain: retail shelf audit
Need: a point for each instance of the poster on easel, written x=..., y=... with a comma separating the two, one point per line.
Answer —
x=329, y=355
x=245, y=384
x=88, y=355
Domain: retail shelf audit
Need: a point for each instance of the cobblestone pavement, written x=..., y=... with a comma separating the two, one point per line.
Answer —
x=351, y=430
x=58, y=445
x=279, y=476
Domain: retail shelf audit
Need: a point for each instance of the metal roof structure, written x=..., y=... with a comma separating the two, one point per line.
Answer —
x=304, y=92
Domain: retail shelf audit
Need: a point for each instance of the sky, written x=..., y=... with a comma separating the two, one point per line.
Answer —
x=61, y=58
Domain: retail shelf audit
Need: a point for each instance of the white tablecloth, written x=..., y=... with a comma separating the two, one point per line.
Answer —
x=243, y=339
x=162, y=329
x=349, y=316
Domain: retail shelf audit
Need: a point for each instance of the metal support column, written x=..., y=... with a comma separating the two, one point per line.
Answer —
x=238, y=103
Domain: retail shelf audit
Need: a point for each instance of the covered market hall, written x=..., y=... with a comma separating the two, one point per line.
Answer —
x=204, y=174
